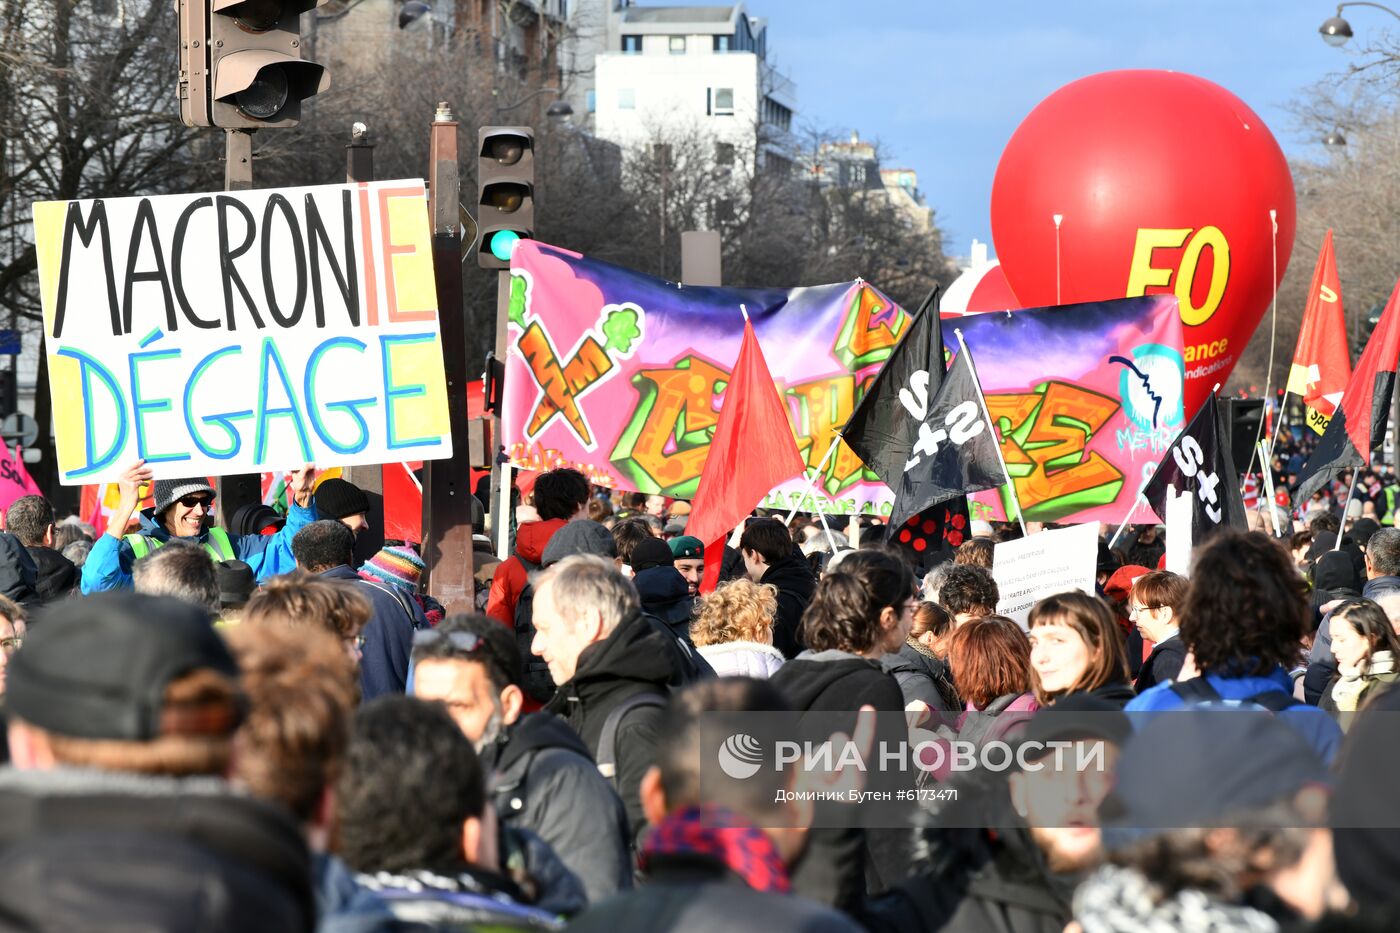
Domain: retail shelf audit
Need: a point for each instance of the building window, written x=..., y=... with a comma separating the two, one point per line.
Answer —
x=722, y=43
x=626, y=98
x=724, y=210
x=724, y=154
x=723, y=98
x=591, y=100
x=677, y=45
x=632, y=45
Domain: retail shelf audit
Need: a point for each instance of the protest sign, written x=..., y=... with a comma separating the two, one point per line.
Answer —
x=1087, y=398
x=1180, y=521
x=242, y=332
x=1029, y=569
x=621, y=375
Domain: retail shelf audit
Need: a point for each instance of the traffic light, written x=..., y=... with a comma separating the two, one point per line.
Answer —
x=505, y=184
x=241, y=64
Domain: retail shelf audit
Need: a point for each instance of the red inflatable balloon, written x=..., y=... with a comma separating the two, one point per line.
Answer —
x=1163, y=182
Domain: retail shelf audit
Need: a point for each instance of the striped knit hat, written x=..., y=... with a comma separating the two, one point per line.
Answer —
x=398, y=566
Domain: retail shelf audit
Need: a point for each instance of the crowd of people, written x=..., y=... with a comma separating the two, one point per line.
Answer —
x=238, y=727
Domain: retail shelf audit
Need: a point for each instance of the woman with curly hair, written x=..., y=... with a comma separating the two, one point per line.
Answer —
x=1243, y=622
x=733, y=630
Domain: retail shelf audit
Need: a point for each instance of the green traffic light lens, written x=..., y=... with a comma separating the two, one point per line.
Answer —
x=503, y=243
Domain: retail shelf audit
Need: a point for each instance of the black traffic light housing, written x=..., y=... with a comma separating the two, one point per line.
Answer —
x=241, y=64
x=505, y=184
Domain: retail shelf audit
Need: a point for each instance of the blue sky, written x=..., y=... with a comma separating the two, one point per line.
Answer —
x=942, y=85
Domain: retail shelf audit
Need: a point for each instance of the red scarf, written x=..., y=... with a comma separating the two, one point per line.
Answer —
x=724, y=835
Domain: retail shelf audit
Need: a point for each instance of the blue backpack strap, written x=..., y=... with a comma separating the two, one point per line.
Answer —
x=1195, y=691
x=218, y=545
x=1275, y=701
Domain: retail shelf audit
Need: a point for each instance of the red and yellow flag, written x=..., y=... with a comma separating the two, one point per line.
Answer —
x=1322, y=362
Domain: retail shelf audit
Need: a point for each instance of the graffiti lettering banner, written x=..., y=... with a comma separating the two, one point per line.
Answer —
x=1087, y=398
x=242, y=332
x=622, y=375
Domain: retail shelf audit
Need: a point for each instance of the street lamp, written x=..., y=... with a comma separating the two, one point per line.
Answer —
x=1335, y=140
x=1336, y=30
x=557, y=110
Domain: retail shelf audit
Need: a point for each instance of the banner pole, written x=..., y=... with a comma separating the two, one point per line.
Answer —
x=1127, y=518
x=812, y=478
x=830, y=538
x=1267, y=475
x=982, y=400
x=1351, y=489
x=501, y=513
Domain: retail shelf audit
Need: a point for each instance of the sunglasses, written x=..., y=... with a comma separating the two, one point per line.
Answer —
x=191, y=501
x=465, y=642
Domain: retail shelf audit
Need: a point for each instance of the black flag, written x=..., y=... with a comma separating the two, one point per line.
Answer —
x=954, y=450
x=1199, y=463
x=884, y=426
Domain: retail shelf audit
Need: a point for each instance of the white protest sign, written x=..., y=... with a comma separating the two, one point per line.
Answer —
x=1029, y=569
x=242, y=332
x=1180, y=512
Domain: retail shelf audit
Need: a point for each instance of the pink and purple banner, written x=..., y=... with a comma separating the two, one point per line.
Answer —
x=1087, y=398
x=622, y=375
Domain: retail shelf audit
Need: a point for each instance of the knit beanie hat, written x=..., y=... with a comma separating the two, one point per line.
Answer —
x=397, y=566
x=168, y=490
x=580, y=536
x=337, y=498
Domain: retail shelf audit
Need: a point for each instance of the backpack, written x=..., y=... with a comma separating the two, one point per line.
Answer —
x=607, y=739
x=1199, y=692
x=539, y=684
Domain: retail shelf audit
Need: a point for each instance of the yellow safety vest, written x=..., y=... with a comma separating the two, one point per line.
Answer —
x=217, y=544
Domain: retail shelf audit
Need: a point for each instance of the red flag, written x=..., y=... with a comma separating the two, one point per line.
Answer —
x=1358, y=425
x=1322, y=362
x=403, y=504
x=753, y=450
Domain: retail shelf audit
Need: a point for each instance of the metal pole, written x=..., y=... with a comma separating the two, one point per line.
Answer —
x=359, y=168
x=240, y=489
x=447, y=514
x=502, y=518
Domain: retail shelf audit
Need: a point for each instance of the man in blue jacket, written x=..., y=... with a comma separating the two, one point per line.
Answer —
x=184, y=508
x=326, y=548
x=1243, y=622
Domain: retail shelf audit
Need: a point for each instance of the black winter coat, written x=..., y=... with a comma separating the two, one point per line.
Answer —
x=81, y=850
x=699, y=895
x=796, y=584
x=840, y=865
x=546, y=782
x=1163, y=664
x=666, y=595
x=635, y=658
x=57, y=576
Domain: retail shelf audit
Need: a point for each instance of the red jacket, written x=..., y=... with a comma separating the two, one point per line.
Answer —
x=511, y=576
